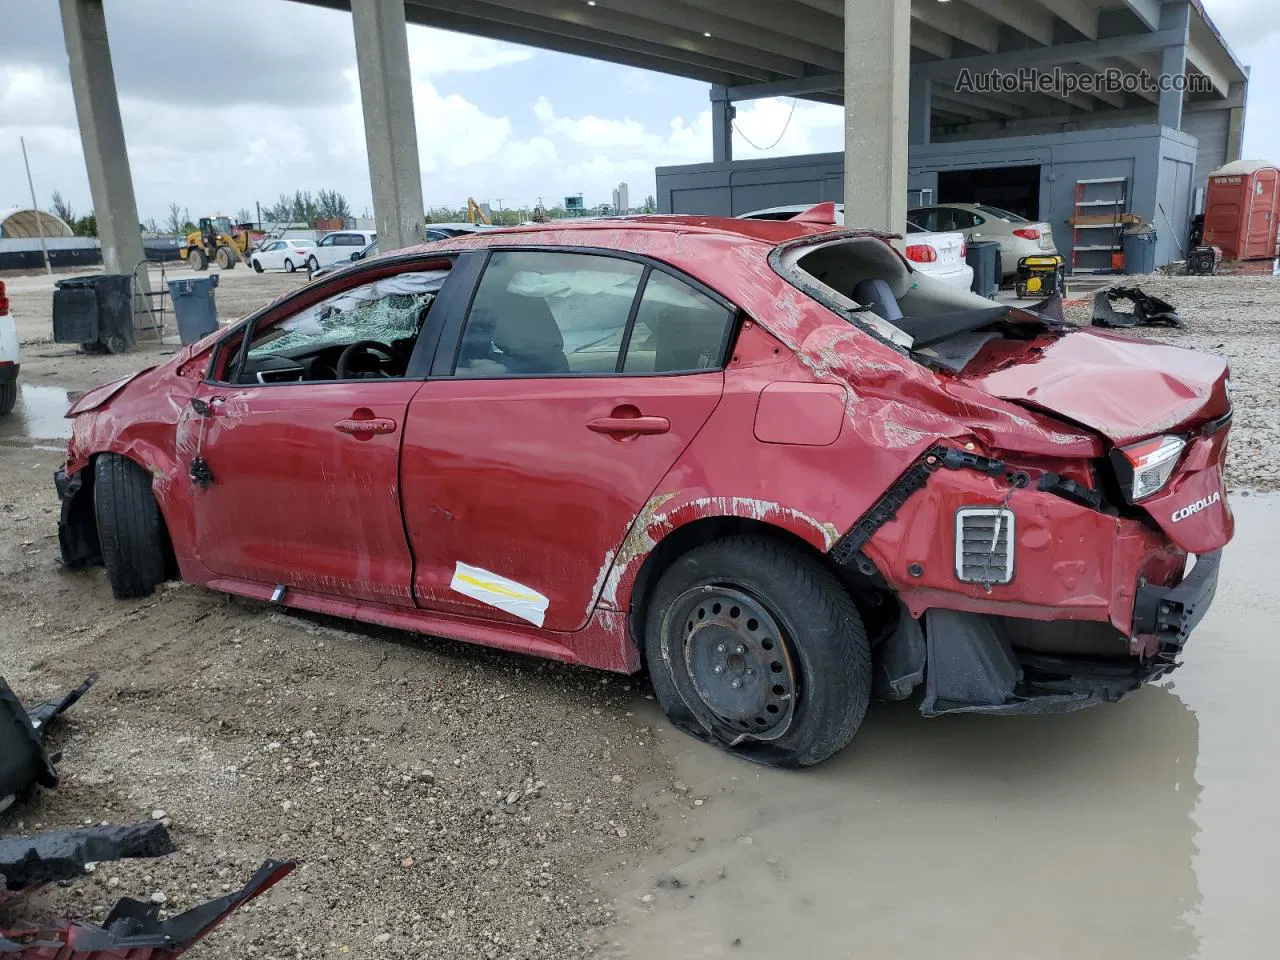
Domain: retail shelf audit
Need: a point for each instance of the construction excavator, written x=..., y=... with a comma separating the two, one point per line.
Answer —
x=475, y=212
x=219, y=240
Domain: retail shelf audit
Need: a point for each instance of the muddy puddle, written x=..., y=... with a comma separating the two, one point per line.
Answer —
x=1146, y=829
x=39, y=415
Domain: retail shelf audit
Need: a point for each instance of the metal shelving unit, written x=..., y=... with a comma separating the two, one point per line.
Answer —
x=1103, y=195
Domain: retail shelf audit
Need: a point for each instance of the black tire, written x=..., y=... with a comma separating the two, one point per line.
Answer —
x=197, y=259
x=288, y=266
x=820, y=655
x=130, y=528
x=225, y=258
x=257, y=265
x=312, y=263
x=8, y=397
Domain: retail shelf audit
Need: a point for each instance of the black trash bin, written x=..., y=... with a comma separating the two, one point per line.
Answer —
x=95, y=312
x=984, y=257
x=1140, y=250
x=194, y=307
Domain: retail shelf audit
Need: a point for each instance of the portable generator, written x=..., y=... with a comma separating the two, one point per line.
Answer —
x=1041, y=276
x=1204, y=261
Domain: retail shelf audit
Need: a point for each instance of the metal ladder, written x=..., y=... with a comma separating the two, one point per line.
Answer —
x=150, y=303
x=1093, y=242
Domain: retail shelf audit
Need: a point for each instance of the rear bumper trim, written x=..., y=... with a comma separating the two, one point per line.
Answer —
x=1172, y=613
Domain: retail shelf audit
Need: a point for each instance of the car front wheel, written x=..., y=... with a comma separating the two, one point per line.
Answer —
x=257, y=265
x=8, y=397
x=130, y=528
x=313, y=264
x=755, y=646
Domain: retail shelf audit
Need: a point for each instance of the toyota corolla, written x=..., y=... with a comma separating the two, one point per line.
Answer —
x=767, y=462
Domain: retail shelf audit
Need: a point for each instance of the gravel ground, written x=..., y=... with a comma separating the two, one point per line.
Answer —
x=442, y=800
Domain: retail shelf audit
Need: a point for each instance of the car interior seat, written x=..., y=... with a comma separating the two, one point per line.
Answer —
x=526, y=337
x=683, y=340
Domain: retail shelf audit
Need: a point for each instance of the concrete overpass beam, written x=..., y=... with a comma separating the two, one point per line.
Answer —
x=1173, y=61
x=877, y=75
x=391, y=134
x=93, y=85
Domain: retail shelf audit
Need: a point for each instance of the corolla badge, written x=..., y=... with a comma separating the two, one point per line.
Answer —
x=1192, y=509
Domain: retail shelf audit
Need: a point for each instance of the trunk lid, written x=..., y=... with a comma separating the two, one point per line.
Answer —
x=1124, y=388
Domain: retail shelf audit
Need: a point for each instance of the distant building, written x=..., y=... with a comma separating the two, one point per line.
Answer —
x=573, y=206
x=621, y=198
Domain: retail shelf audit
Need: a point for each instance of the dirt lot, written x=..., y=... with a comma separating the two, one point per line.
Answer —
x=445, y=801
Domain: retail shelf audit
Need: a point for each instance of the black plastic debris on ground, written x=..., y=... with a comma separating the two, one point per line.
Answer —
x=24, y=762
x=27, y=862
x=1148, y=311
x=134, y=929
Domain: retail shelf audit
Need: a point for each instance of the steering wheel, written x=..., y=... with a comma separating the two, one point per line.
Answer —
x=363, y=346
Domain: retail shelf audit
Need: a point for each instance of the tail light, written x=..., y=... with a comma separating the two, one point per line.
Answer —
x=4, y=300
x=964, y=249
x=1144, y=468
x=921, y=253
x=1028, y=233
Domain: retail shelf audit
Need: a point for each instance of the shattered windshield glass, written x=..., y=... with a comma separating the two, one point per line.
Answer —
x=386, y=310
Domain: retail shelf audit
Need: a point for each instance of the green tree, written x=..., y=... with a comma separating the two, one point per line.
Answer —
x=650, y=204
x=173, y=222
x=62, y=210
x=86, y=226
x=331, y=205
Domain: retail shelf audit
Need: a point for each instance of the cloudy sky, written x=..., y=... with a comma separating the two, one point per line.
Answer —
x=228, y=102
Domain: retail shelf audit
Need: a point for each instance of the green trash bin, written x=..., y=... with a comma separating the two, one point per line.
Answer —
x=194, y=307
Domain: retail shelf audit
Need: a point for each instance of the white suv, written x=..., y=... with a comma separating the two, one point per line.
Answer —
x=8, y=355
x=337, y=246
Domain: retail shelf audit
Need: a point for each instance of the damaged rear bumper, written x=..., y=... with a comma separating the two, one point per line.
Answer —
x=982, y=663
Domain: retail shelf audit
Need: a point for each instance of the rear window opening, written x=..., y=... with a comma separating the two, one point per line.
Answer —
x=864, y=280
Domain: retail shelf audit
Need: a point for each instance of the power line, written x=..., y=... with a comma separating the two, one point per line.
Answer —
x=790, y=114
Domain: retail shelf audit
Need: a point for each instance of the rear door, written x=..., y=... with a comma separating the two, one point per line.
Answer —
x=557, y=404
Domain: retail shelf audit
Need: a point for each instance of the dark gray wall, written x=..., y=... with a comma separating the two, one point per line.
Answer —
x=1157, y=162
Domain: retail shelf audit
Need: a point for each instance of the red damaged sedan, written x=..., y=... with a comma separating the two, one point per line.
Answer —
x=766, y=461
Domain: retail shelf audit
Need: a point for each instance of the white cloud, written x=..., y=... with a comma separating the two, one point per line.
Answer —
x=438, y=51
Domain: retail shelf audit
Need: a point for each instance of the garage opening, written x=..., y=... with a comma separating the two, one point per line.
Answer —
x=1016, y=189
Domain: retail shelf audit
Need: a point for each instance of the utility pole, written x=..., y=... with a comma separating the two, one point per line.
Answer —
x=258, y=207
x=35, y=208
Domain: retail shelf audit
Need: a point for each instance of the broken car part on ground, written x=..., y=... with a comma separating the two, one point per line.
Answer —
x=1148, y=311
x=134, y=929
x=27, y=863
x=768, y=460
x=24, y=761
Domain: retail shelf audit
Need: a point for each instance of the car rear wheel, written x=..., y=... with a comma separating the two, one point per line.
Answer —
x=757, y=647
x=8, y=397
x=130, y=528
x=288, y=266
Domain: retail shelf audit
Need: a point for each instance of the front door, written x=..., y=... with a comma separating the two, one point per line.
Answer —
x=578, y=382
x=303, y=445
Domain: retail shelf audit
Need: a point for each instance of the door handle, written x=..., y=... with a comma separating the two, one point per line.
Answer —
x=629, y=425
x=365, y=429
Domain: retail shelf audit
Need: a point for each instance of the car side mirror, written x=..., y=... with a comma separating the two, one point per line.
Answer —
x=201, y=408
x=357, y=255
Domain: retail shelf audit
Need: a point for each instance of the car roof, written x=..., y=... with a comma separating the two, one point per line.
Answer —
x=637, y=233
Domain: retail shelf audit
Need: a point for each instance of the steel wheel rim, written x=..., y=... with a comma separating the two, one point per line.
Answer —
x=733, y=666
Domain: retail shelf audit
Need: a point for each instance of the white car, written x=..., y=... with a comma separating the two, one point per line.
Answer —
x=338, y=246
x=287, y=255
x=938, y=255
x=1018, y=237
x=9, y=357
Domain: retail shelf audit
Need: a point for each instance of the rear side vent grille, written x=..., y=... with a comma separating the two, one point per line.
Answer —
x=984, y=545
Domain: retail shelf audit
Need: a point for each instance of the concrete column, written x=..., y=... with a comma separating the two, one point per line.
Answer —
x=386, y=95
x=1173, y=62
x=1235, y=124
x=93, y=84
x=722, y=114
x=877, y=74
x=920, y=110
